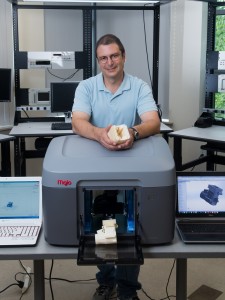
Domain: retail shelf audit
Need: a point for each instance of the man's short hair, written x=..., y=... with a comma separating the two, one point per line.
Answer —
x=108, y=39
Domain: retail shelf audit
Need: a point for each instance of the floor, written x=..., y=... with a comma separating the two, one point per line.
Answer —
x=206, y=280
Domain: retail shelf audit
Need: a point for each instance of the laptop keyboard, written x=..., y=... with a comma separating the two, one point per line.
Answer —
x=203, y=228
x=16, y=231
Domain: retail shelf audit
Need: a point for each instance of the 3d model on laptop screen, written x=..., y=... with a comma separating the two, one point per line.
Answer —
x=212, y=194
x=201, y=194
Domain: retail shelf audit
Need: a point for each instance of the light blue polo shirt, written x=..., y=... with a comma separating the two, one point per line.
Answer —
x=132, y=99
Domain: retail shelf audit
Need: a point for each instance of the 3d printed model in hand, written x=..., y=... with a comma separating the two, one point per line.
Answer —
x=212, y=194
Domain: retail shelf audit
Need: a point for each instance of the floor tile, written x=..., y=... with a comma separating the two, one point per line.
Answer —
x=205, y=292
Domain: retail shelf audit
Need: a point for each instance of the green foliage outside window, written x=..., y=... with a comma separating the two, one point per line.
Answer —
x=220, y=46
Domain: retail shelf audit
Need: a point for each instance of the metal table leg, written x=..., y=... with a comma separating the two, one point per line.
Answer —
x=39, y=280
x=5, y=163
x=181, y=278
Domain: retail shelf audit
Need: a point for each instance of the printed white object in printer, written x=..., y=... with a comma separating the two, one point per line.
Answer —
x=107, y=235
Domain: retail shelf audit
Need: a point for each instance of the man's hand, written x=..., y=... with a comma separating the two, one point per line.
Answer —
x=82, y=126
x=111, y=145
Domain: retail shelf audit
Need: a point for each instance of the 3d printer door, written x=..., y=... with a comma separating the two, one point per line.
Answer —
x=127, y=251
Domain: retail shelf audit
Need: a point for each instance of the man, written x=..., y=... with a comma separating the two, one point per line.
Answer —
x=112, y=98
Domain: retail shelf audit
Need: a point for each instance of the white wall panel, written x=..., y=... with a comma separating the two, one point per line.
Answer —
x=6, y=60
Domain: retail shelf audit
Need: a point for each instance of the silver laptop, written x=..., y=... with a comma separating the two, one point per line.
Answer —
x=200, y=215
x=20, y=210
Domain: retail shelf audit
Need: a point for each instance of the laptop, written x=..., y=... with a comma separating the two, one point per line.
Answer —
x=200, y=212
x=20, y=210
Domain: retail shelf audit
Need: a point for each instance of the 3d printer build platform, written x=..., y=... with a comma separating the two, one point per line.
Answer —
x=84, y=183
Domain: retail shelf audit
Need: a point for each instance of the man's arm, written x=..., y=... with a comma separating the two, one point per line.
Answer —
x=82, y=126
x=150, y=124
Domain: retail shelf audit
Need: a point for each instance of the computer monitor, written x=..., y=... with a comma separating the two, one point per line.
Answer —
x=5, y=85
x=62, y=96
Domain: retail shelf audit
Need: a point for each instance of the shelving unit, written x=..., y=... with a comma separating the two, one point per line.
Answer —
x=84, y=60
x=215, y=60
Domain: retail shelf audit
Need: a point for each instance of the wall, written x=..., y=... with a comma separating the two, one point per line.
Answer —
x=31, y=38
x=188, y=48
x=187, y=69
x=6, y=60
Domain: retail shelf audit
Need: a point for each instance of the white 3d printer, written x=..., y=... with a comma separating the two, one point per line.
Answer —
x=84, y=183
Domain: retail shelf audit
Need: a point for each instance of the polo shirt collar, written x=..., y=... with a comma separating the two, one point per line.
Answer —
x=126, y=85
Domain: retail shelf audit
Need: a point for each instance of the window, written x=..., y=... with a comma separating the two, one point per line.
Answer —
x=219, y=100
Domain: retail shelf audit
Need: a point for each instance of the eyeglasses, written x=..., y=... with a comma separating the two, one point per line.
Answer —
x=113, y=57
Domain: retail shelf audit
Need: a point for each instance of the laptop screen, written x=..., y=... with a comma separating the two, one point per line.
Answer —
x=201, y=194
x=20, y=198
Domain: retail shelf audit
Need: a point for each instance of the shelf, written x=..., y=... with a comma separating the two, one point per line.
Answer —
x=98, y=4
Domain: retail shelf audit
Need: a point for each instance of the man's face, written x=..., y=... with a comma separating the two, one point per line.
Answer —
x=111, y=61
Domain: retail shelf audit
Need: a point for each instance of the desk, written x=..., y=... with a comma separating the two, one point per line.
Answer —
x=210, y=135
x=29, y=130
x=177, y=249
x=5, y=154
x=42, y=129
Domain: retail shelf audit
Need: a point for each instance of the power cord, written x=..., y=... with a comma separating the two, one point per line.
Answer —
x=168, y=281
x=19, y=284
x=50, y=278
x=146, y=48
x=200, y=156
x=27, y=280
x=168, y=297
x=22, y=284
x=25, y=284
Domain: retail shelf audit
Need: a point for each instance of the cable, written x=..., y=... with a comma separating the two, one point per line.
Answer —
x=215, y=165
x=168, y=280
x=71, y=281
x=201, y=155
x=26, y=113
x=148, y=65
x=50, y=279
x=27, y=279
x=146, y=48
x=145, y=293
x=72, y=75
x=64, y=79
x=159, y=112
x=19, y=284
x=92, y=279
